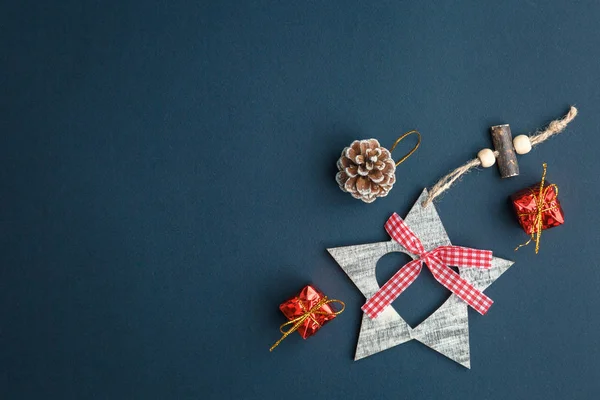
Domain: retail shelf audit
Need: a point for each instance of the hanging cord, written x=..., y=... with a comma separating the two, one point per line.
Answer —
x=410, y=153
x=554, y=128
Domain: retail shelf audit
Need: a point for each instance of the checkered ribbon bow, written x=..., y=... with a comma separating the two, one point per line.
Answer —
x=437, y=260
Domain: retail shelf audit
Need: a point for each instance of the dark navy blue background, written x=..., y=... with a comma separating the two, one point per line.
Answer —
x=167, y=179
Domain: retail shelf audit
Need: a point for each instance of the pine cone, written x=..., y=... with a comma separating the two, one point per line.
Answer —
x=367, y=170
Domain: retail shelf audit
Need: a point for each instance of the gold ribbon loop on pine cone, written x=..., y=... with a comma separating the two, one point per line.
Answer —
x=410, y=153
x=540, y=200
x=307, y=314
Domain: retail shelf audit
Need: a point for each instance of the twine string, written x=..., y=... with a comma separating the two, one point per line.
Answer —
x=554, y=128
x=410, y=153
x=298, y=321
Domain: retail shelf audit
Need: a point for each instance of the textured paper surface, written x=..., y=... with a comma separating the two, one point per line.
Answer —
x=447, y=329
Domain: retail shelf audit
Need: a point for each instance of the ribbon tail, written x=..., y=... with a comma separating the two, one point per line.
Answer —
x=459, y=286
x=401, y=233
x=464, y=257
x=392, y=289
x=297, y=322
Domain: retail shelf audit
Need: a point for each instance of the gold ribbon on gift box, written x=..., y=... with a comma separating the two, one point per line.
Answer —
x=308, y=314
x=541, y=208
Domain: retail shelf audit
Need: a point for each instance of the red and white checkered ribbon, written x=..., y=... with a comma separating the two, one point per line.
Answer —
x=437, y=260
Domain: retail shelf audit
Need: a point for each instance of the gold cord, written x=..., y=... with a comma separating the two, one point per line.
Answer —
x=307, y=314
x=540, y=210
x=410, y=152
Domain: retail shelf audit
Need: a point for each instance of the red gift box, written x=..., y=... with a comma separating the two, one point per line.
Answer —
x=307, y=313
x=303, y=303
x=538, y=208
x=528, y=204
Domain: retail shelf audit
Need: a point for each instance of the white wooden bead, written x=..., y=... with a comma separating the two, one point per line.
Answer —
x=486, y=157
x=522, y=144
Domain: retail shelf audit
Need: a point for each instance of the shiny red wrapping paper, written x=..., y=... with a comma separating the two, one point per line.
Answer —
x=298, y=305
x=525, y=203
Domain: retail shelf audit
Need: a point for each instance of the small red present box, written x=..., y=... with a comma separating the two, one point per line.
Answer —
x=528, y=204
x=313, y=307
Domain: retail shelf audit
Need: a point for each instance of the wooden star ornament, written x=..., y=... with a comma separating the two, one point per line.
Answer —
x=446, y=330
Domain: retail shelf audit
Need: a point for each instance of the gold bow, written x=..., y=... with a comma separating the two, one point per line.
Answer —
x=307, y=314
x=540, y=200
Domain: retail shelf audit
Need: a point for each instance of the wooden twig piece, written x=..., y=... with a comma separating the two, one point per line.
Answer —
x=507, y=158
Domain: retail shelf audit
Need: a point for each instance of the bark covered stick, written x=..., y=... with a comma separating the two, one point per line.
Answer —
x=507, y=158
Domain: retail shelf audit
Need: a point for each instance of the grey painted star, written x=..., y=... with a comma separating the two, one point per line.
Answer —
x=447, y=329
